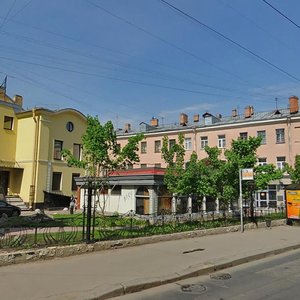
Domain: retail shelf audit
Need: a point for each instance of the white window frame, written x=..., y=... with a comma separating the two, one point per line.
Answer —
x=222, y=141
x=262, y=161
x=188, y=144
x=203, y=141
x=280, y=162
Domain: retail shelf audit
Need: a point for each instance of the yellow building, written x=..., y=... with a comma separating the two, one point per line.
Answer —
x=8, y=138
x=30, y=155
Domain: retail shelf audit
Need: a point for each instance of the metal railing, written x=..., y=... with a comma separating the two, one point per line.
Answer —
x=41, y=230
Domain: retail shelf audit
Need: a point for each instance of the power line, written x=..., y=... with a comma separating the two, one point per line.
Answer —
x=164, y=41
x=8, y=12
x=281, y=13
x=169, y=5
x=113, y=78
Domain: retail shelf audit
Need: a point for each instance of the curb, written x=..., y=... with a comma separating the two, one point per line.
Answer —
x=134, y=288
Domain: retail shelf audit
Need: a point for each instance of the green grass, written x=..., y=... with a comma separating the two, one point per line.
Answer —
x=69, y=229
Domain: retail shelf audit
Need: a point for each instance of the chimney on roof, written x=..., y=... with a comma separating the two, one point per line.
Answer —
x=196, y=118
x=154, y=122
x=249, y=111
x=127, y=127
x=294, y=104
x=18, y=100
x=234, y=113
x=219, y=116
x=183, y=119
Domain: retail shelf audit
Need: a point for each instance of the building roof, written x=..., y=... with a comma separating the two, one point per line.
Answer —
x=273, y=115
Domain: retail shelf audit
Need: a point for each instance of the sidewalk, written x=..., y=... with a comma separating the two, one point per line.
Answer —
x=100, y=275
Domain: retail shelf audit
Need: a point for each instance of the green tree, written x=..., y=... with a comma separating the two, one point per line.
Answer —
x=101, y=154
x=295, y=172
x=174, y=157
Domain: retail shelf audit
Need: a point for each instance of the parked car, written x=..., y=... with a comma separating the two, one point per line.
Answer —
x=8, y=209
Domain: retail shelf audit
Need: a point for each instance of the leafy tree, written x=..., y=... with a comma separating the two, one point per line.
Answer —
x=174, y=158
x=295, y=172
x=101, y=154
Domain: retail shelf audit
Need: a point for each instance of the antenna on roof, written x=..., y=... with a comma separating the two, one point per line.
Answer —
x=3, y=84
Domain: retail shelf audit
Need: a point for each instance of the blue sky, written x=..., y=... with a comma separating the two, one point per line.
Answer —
x=131, y=60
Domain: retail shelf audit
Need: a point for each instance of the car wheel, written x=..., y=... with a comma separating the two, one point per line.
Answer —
x=15, y=213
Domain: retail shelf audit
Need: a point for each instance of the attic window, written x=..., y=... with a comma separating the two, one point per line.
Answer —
x=277, y=112
x=8, y=122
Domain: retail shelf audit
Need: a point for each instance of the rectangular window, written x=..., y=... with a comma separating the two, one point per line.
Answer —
x=116, y=190
x=222, y=141
x=262, y=161
x=143, y=147
x=244, y=135
x=203, y=142
x=280, y=163
x=279, y=135
x=262, y=134
x=157, y=165
x=58, y=146
x=188, y=144
x=8, y=122
x=129, y=166
x=157, y=146
x=56, y=181
x=77, y=151
x=74, y=186
x=172, y=143
x=143, y=166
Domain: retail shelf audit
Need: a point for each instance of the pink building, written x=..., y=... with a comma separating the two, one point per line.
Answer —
x=279, y=129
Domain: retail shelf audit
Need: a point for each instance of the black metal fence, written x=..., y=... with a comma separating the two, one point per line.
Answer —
x=40, y=230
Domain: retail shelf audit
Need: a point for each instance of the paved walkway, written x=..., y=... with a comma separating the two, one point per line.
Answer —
x=106, y=273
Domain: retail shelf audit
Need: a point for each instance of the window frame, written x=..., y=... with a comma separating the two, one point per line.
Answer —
x=280, y=135
x=203, y=142
x=244, y=135
x=143, y=147
x=73, y=185
x=79, y=151
x=221, y=141
x=157, y=146
x=8, y=120
x=57, y=151
x=54, y=182
x=280, y=162
x=263, y=136
x=188, y=144
x=172, y=142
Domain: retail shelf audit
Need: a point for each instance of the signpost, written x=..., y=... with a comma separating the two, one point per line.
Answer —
x=244, y=174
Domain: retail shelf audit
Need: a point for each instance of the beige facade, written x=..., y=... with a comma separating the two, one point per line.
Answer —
x=280, y=130
x=30, y=153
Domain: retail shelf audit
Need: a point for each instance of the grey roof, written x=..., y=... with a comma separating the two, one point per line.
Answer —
x=257, y=116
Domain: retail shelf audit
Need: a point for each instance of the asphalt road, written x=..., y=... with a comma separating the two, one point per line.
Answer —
x=277, y=277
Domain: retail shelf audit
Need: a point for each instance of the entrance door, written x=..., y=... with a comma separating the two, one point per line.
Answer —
x=4, y=177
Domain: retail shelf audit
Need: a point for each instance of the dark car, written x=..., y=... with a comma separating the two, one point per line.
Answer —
x=8, y=209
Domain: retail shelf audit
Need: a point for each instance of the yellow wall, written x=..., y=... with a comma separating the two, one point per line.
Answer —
x=35, y=149
x=7, y=137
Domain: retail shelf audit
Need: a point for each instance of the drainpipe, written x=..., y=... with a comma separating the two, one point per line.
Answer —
x=195, y=139
x=288, y=121
x=32, y=193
